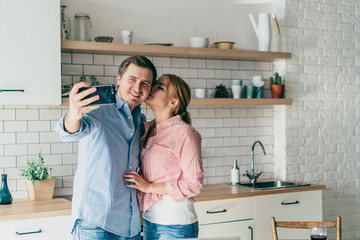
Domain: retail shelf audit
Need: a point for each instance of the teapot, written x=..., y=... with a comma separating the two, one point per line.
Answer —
x=263, y=29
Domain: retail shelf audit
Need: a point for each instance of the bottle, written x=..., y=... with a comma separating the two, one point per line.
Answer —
x=5, y=196
x=64, y=24
x=235, y=174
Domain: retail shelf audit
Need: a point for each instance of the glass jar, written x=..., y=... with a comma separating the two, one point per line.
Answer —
x=82, y=27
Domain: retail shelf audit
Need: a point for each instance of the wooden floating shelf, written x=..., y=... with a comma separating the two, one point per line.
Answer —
x=166, y=51
x=228, y=101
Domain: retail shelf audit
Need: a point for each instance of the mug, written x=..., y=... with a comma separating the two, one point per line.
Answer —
x=126, y=36
x=249, y=91
x=200, y=92
x=259, y=92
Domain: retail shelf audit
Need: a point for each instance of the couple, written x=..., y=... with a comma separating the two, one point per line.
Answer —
x=108, y=182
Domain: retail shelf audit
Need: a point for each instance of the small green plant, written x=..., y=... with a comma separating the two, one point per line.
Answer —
x=276, y=81
x=35, y=170
x=221, y=92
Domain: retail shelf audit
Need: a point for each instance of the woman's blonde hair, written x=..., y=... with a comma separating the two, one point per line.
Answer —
x=182, y=93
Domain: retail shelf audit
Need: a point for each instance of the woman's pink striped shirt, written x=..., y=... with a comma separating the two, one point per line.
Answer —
x=173, y=157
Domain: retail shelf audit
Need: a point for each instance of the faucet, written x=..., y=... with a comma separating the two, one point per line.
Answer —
x=252, y=176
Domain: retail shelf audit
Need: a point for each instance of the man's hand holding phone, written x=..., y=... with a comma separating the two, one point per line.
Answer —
x=78, y=105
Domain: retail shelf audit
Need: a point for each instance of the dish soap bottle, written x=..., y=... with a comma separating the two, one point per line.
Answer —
x=235, y=174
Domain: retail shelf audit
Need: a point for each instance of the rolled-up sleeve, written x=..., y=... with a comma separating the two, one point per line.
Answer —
x=189, y=183
x=85, y=125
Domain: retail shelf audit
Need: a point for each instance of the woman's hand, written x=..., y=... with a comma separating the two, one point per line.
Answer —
x=139, y=182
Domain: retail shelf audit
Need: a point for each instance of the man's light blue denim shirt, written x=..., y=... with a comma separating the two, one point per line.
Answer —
x=109, y=145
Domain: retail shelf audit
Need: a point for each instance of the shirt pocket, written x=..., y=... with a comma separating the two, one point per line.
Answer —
x=157, y=158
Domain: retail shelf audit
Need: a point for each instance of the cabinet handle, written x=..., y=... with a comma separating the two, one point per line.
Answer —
x=290, y=203
x=251, y=232
x=11, y=90
x=24, y=233
x=212, y=212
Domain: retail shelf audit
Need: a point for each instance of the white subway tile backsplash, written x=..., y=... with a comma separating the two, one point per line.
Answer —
x=27, y=114
x=110, y=71
x=70, y=158
x=214, y=64
x=61, y=147
x=68, y=69
x=8, y=162
x=223, y=74
x=1, y=126
x=50, y=114
x=118, y=59
x=15, y=149
x=189, y=73
x=64, y=170
x=7, y=114
x=161, y=61
x=35, y=148
x=206, y=73
x=93, y=70
x=27, y=137
x=79, y=58
x=7, y=138
x=66, y=58
x=179, y=63
x=175, y=71
x=38, y=126
x=15, y=126
x=49, y=137
x=103, y=59
x=223, y=132
x=197, y=63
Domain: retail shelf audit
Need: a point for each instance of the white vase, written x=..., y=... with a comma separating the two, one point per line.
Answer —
x=262, y=30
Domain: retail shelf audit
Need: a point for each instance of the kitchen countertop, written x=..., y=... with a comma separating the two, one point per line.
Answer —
x=226, y=191
x=26, y=208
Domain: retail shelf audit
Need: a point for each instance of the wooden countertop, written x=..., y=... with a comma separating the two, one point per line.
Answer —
x=27, y=208
x=226, y=191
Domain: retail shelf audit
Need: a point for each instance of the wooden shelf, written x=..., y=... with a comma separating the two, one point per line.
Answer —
x=165, y=51
x=228, y=101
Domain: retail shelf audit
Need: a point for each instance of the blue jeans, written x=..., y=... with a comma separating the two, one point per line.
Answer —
x=84, y=230
x=153, y=231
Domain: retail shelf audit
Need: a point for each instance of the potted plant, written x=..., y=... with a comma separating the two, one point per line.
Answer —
x=276, y=86
x=41, y=186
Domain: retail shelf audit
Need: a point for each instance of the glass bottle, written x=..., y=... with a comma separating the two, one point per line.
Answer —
x=82, y=27
x=64, y=24
x=235, y=174
x=5, y=195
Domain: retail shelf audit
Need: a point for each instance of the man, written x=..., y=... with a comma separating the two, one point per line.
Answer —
x=109, y=145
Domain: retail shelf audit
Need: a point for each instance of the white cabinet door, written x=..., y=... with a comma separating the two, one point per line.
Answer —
x=242, y=229
x=54, y=228
x=30, y=52
x=297, y=206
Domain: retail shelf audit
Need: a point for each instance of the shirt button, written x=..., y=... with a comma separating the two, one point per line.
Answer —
x=129, y=117
x=130, y=167
x=131, y=134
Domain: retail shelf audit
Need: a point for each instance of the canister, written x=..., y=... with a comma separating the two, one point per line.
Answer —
x=82, y=27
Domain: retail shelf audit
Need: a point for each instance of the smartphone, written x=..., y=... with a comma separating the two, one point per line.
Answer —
x=106, y=93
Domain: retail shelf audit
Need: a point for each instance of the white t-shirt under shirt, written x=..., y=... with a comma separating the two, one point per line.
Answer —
x=168, y=212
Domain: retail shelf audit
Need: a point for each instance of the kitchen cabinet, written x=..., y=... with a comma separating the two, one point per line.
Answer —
x=296, y=206
x=54, y=228
x=30, y=53
x=226, y=218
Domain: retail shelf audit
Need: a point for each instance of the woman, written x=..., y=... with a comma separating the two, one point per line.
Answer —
x=171, y=164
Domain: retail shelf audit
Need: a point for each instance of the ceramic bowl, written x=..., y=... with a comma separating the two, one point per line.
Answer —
x=104, y=39
x=199, y=42
x=224, y=45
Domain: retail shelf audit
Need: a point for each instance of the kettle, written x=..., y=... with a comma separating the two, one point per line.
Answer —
x=263, y=29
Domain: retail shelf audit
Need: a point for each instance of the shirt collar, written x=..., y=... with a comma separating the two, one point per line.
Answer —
x=164, y=124
x=121, y=103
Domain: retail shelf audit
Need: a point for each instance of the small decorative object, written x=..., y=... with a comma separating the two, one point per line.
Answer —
x=276, y=86
x=5, y=195
x=89, y=79
x=107, y=39
x=236, y=88
x=221, y=92
x=224, y=45
x=41, y=186
x=127, y=36
x=235, y=174
x=200, y=92
x=65, y=24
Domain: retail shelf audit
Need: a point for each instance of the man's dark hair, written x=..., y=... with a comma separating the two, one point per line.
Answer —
x=140, y=61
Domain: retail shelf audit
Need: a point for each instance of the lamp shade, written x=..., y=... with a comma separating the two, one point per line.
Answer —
x=251, y=1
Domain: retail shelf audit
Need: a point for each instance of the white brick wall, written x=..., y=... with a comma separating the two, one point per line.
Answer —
x=322, y=125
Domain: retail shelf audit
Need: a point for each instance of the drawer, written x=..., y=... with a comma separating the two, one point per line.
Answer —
x=224, y=210
x=54, y=228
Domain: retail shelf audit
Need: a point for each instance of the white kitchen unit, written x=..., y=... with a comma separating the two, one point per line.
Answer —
x=30, y=53
x=295, y=206
x=46, y=228
x=226, y=218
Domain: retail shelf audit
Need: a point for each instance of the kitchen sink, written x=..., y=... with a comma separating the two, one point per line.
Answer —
x=273, y=185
